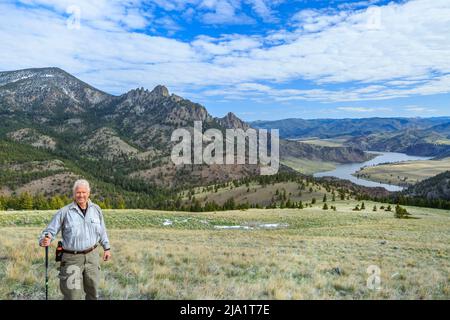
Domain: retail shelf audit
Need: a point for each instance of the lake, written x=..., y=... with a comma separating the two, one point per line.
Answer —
x=345, y=171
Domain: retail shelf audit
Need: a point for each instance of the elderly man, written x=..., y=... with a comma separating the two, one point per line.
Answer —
x=82, y=227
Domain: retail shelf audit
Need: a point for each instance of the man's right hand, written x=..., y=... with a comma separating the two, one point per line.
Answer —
x=46, y=241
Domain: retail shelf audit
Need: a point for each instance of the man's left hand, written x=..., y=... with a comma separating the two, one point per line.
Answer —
x=107, y=255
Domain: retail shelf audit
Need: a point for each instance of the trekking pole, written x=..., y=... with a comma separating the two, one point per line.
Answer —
x=46, y=270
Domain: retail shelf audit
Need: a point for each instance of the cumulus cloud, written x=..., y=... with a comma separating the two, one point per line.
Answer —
x=224, y=12
x=342, y=53
x=264, y=10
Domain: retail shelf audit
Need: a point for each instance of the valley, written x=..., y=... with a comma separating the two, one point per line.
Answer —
x=404, y=173
x=122, y=145
x=207, y=157
x=352, y=171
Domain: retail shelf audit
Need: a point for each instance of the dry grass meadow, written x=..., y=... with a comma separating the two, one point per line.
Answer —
x=313, y=254
x=405, y=173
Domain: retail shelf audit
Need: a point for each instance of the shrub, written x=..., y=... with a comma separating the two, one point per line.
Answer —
x=400, y=212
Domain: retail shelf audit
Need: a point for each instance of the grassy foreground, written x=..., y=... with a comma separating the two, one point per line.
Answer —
x=311, y=254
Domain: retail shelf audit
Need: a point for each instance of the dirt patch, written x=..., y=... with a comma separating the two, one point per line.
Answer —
x=60, y=183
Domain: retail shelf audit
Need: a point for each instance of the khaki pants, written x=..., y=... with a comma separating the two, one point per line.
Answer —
x=78, y=273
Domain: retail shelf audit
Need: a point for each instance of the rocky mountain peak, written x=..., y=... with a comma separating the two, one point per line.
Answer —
x=137, y=93
x=231, y=121
x=34, y=74
x=160, y=91
x=46, y=92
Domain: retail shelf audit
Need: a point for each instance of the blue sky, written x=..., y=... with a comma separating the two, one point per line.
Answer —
x=260, y=59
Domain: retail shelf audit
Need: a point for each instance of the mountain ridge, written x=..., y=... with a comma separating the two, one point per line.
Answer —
x=122, y=140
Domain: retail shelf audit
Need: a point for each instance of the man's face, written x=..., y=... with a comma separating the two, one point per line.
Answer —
x=81, y=195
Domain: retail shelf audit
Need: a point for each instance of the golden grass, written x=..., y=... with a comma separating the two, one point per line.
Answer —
x=405, y=173
x=256, y=193
x=306, y=166
x=297, y=262
x=325, y=142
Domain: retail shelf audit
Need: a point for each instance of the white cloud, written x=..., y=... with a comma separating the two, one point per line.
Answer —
x=106, y=13
x=263, y=9
x=419, y=109
x=174, y=5
x=337, y=52
x=224, y=12
x=310, y=20
x=226, y=45
x=358, y=4
x=358, y=109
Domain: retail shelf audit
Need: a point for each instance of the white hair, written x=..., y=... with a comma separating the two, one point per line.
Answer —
x=81, y=183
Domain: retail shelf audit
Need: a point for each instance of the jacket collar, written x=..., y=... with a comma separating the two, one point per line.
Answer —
x=74, y=205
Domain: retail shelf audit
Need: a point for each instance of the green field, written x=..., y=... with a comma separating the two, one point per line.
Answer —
x=405, y=173
x=256, y=193
x=306, y=166
x=311, y=254
x=325, y=142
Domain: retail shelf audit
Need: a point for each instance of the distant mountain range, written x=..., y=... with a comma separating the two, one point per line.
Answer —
x=119, y=141
x=56, y=128
x=414, y=136
x=332, y=128
x=50, y=109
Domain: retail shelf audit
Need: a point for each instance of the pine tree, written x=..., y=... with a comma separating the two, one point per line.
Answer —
x=101, y=204
x=107, y=204
x=196, y=207
x=324, y=198
x=229, y=204
x=363, y=207
x=400, y=213
x=121, y=203
x=288, y=203
x=25, y=201
x=325, y=206
x=313, y=201
x=40, y=203
x=374, y=208
x=56, y=203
